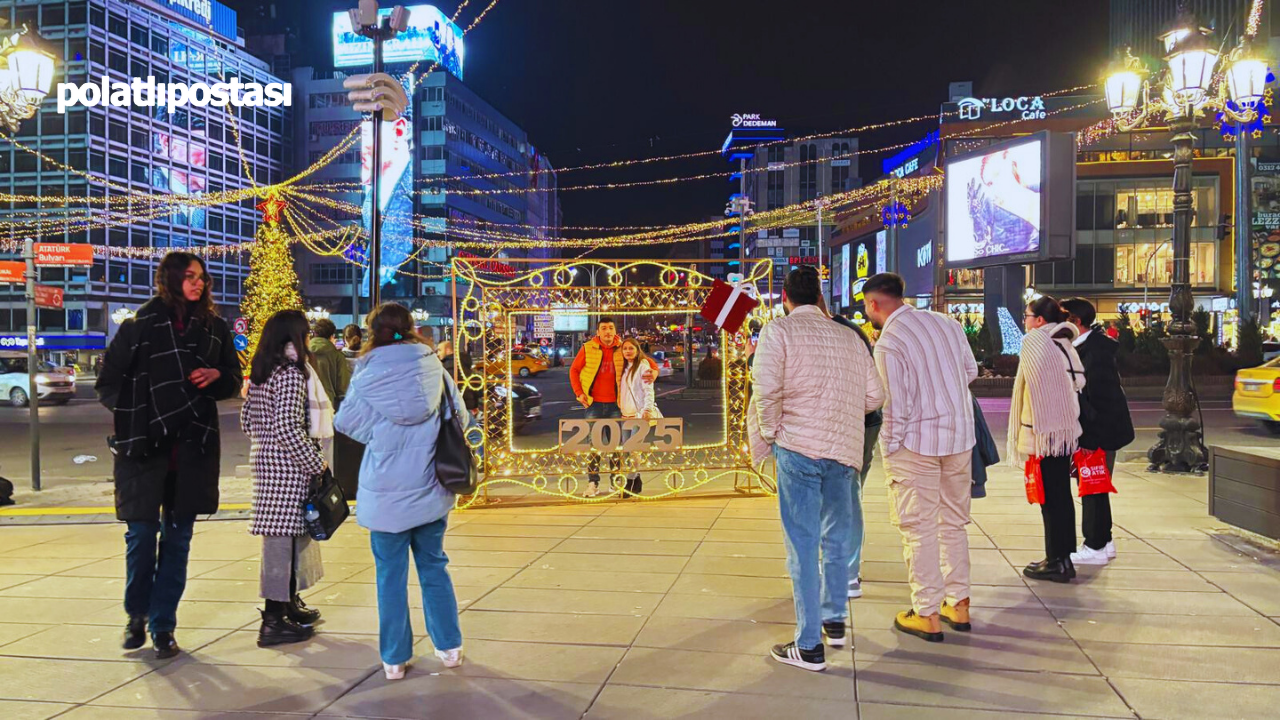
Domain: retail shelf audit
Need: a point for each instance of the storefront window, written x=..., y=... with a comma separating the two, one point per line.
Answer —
x=1149, y=204
x=1151, y=264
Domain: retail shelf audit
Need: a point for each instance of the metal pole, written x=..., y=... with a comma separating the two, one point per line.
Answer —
x=33, y=397
x=375, y=233
x=824, y=291
x=1181, y=445
x=1243, y=227
x=891, y=238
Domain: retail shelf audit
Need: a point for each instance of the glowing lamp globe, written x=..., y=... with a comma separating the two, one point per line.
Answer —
x=1191, y=61
x=33, y=72
x=1247, y=79
x=1123, y=89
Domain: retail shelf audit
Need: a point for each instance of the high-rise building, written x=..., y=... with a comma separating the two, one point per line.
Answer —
x=795, y=172
x=456, y=169
x=114, y=152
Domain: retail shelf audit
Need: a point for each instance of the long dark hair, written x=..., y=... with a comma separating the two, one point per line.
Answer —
x=286, y=326
x=388, y=324
x=170, y=275
x=1051, y=311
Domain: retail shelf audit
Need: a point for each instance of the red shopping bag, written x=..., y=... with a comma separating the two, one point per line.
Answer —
x=1034, y=481
x=1091, y=470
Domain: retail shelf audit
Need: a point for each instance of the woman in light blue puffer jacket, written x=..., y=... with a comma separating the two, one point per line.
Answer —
x=394, y=406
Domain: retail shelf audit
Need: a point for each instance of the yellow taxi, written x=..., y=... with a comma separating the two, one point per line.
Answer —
x=1257, y=394
x=522, y=364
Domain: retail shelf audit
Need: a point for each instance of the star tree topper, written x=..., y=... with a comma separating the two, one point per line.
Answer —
x=271, y=208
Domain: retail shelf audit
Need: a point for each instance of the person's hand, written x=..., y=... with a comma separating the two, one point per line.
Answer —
x=648, y=376
x=751, y=346
x=584, y=401
x=204, y=377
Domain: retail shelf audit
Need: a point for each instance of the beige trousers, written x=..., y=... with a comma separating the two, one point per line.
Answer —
x=929, y=504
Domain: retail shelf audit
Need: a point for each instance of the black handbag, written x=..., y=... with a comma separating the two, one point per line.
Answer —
x=455, y=467
x=325, y=507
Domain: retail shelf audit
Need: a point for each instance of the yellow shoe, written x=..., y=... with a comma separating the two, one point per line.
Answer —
x=926, y=628
x=957, y=616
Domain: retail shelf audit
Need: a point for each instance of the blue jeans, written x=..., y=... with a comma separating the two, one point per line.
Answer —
x=439, y=604
x=601, y=411
x=814, y=500
x=156, y=573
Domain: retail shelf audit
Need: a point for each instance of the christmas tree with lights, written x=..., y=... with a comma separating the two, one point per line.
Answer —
x=272, y=284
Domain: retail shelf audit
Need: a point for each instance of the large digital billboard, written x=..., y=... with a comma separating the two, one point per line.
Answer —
x=431, y=38
x=1011, y=202
x=186, y=154
x=395, y=190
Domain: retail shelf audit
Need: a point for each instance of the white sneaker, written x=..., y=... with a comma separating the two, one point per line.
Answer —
x=1088, y=556
x=450, y=658
x=593, y=489
x=1110, y=549
x=394, y=672
x=855, y=588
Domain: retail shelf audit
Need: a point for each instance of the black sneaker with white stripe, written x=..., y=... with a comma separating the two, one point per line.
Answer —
x=789, y=654
x=834, y=633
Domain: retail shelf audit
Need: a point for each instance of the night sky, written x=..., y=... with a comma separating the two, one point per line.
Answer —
x=600, y=80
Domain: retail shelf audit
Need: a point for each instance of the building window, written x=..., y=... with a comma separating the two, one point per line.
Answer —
x=776, y=195
x=777, y=153
x=1151, y=264
x=331, y=274
x=840, y=174
x=808, y=172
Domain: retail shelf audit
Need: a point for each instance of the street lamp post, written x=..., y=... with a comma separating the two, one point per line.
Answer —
x=1186, y=87
x=821, y=204
x=376, y=94
x=26, y=74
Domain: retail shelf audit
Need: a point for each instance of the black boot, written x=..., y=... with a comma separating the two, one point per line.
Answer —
x=1059, y=571
x=135, y=633
x=298, y=612
x=166, y=646
x=278, y=629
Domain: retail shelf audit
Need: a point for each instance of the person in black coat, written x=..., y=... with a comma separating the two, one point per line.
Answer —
x=1105, y=420
x=163, y=374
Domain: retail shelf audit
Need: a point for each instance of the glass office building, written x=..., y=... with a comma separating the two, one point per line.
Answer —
x=119, y=151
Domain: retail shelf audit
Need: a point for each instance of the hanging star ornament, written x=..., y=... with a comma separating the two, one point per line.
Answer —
x=271, y=208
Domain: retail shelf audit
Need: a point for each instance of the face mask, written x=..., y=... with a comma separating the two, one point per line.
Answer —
x=291, y=352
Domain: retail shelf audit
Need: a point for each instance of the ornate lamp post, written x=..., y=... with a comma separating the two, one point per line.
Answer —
x=1190, y=84
x=26, y=74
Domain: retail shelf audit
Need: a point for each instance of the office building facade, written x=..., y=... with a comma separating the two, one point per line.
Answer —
x=186, y=151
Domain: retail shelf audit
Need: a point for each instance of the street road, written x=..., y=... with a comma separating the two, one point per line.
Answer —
x=81, y=428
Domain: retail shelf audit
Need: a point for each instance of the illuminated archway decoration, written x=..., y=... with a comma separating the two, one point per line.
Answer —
x=487, y=313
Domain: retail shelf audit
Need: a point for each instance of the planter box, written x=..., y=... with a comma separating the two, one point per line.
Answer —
x=1244, y=488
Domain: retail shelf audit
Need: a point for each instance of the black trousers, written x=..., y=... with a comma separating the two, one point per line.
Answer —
x=1095, y=511
x=1059, y=509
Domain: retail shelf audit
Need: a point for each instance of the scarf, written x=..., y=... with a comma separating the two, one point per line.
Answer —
x=157, y=403
x=319, y=407
x=1051, y=374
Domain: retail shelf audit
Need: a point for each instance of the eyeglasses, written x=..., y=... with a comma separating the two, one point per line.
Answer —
x=192, y=277
x=1030, y=315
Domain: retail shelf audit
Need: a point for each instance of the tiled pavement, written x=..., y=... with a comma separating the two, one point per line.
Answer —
x=666, y=610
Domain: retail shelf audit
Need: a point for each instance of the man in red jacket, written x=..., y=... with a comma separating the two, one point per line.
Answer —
x=594, y=377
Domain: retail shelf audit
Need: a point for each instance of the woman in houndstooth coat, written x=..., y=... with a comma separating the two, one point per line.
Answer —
x=284, y=459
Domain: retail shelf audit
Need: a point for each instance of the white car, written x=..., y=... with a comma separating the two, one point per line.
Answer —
x=52, y=384
x=664, y=365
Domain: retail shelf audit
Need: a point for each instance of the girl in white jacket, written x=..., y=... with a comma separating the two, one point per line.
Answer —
x=635, y=397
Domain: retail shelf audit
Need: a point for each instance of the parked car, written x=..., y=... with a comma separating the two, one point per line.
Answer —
x=52, y=384
x=664, y=364
x=1257, y=394
x=522, y=364
x=1270, y=350
x=526, y=404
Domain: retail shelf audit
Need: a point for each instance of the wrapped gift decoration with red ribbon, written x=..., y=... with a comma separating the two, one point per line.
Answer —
x=729, y=305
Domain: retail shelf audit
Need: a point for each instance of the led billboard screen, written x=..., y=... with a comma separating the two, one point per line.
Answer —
x=1011, y=202
x=395, y=190
x=430, y=38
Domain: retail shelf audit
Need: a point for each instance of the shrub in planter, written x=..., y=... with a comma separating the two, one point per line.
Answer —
x=1005, y=365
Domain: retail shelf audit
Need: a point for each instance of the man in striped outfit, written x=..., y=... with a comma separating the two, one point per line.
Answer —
x=926, y=440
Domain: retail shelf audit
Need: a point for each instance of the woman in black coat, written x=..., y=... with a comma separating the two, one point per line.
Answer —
x=1107, y=425
x=163, y=373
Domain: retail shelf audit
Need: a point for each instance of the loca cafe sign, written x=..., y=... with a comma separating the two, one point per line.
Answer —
x=1026, y=108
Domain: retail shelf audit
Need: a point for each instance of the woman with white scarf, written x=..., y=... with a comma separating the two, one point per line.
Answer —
x=1044, y=422
x=286, y=416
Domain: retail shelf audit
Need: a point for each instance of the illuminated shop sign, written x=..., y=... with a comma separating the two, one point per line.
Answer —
x=1027, y=108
